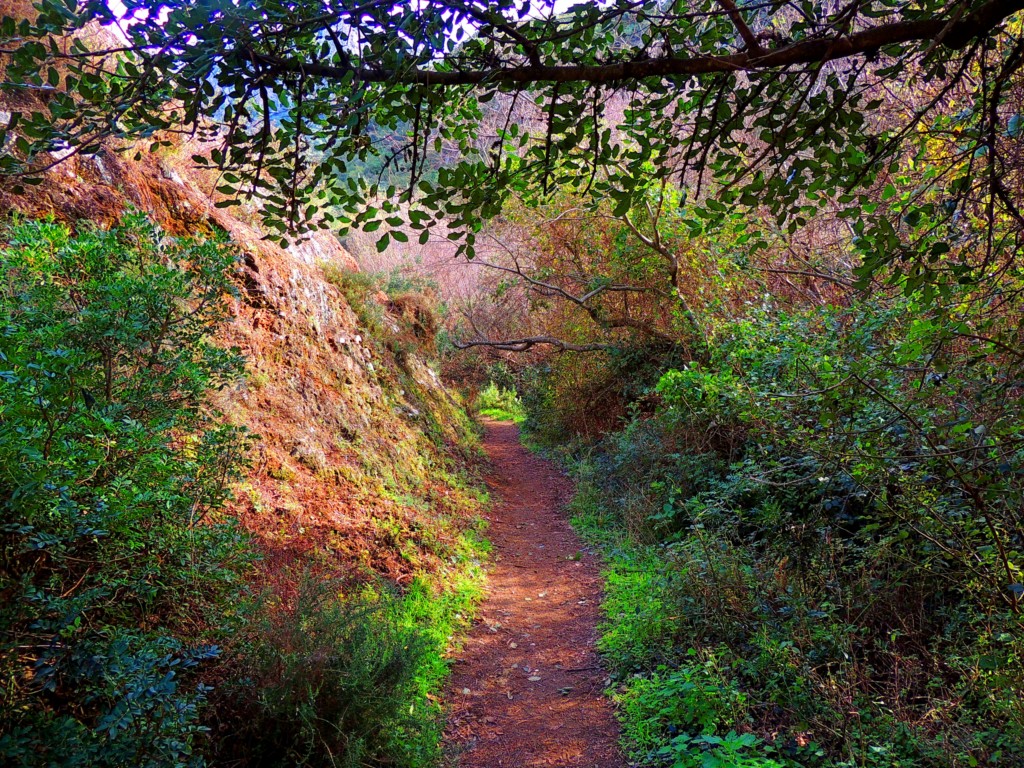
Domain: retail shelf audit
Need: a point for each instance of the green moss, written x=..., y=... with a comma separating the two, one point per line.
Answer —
x=284, y=473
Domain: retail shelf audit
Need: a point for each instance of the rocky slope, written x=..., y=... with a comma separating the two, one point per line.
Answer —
x=359, y=445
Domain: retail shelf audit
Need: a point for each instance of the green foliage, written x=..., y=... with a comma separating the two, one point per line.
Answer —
x=704, y=394
x=740, y=103
x=819, y=520
x=113, y=476
x=345, y=678
x=731, y=750
x=499, y=403
x=692, y=698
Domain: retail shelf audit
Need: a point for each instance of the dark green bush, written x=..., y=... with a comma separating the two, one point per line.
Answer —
x=828, y=509
x=113, y=474
x=332, y=680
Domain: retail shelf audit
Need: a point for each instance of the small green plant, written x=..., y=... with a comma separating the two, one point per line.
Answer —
x=257, y=380
x=359, y=290
x=695, y=697
x=731, y=750
x=282, y=472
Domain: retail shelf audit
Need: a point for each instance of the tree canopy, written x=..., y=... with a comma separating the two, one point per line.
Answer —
x=792, y=107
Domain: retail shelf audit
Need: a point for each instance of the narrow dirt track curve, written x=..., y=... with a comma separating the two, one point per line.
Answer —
x=527, y=688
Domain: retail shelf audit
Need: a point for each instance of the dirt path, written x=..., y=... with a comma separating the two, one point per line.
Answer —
x=527, y=688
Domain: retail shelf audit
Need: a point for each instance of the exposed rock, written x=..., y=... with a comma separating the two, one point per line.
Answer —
x=322, y=397
x=310, y=455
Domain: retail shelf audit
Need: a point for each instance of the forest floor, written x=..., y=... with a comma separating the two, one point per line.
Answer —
x=527, y=688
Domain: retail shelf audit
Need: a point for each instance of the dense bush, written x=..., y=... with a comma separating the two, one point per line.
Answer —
x=113, y=473
x=341, y=677
x=815, y=545
x=591, y=395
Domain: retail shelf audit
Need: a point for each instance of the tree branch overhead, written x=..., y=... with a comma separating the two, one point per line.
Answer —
x=947, y=31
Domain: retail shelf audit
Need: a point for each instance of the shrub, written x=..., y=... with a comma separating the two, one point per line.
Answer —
x=499, y=403
x=360, y=290
x=828, y=505
x=113, y=476
x=342, y=677
x=330, y=677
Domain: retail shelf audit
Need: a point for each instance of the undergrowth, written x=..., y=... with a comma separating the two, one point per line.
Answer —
x=678, y=705
x=347, y=675
x=813, y=554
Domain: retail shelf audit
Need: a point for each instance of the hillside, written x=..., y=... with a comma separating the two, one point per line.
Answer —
x=346, y=426
x=358, y=471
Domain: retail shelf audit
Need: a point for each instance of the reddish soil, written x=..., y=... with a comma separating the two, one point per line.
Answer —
x=527, y=687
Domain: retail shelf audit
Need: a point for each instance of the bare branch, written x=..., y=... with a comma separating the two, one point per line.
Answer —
x=655, y=243
x=596, y=313
x=809, y=273
x=549, y=289
x=522, y=345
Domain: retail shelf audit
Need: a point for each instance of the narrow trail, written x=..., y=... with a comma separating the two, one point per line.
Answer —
x=527, y=688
